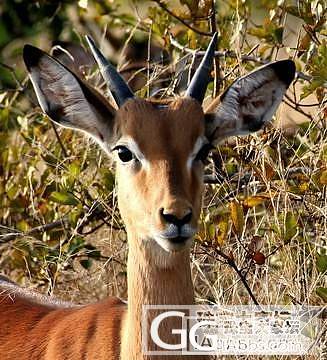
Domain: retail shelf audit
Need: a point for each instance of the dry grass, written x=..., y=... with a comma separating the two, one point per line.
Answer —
x=269, y=198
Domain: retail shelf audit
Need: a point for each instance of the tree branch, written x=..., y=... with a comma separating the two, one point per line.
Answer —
x=61, y=223
x=165, y=8
x=231, y=54
x=230, y=261
x=218, y=54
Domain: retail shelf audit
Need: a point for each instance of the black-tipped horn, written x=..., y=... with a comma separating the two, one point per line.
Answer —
x=117, y=85
x=201, y=78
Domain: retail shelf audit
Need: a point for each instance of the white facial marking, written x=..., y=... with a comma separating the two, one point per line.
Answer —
x=131, y=144
x=169, y=246
x=163, y=238
x=197, y=146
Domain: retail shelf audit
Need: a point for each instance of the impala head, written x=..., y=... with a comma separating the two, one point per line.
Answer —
x=159, y=148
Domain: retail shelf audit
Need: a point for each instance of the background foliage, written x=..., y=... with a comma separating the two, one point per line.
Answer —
x=263, y=229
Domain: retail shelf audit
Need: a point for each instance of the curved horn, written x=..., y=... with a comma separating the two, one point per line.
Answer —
x=117, y=85
x=200, y=80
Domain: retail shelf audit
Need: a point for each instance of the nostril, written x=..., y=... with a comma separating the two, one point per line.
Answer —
x=187, y=218
x=173, y=219
x=169, y=218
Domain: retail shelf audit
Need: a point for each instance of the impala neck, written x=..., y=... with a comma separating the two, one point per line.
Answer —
x=149, y=283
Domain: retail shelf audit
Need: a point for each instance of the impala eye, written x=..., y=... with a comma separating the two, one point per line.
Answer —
x=124, y=154
x=203, y=153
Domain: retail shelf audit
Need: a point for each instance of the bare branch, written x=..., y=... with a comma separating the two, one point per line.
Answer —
x=231, y=54
x=219, y=54
x=164, y=7
x=232, y=263
x=62, y=223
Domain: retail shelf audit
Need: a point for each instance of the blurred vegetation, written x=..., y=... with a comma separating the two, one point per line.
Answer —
x=264, y=222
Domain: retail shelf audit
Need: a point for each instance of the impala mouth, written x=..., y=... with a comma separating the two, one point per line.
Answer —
x=175, y=239
x=178, y=239
x=174, y=244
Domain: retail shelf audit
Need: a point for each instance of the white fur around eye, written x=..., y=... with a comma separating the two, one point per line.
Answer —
x=131, y=144
x=196, y=148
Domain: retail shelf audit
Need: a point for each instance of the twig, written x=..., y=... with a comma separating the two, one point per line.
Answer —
x=297, y=108
x=304, y=105
x=216, y=63
x=13, y=74
x=38, y=229
x=219, y=54
x=233, y=265
x=59, y=140
x=164, y=7
x=213, y=179
x=231, y=54
x=62, y=223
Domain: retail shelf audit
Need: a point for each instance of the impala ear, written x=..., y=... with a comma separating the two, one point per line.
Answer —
x=251, y=101
x=67, y=99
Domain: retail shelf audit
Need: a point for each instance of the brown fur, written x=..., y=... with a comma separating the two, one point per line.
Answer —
x=162, y=176
x=175, y=128
x=34, y=327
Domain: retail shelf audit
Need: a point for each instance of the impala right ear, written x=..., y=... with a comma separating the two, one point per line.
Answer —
x=250, y=102
x=68, y=100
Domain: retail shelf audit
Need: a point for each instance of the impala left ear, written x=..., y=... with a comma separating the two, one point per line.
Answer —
x=250, y=102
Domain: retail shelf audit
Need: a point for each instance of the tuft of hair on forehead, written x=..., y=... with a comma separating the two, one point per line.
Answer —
x=161, y=104
x=146, y=109
x=187, y=105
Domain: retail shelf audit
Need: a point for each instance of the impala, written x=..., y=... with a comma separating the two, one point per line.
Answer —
x=160, y=149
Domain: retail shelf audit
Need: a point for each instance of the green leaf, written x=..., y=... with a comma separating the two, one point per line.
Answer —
x=86, y=263
x=92, y=251
x=75, y=245
x=212, y=231
x=222, y=230
x=237, y=215
x=64, y=198
x=321, y=263
x=323, y=177
x=108, y=178
x=253, y=201
x=75, y=215
x=322, y=292
x=290, y=226
x=74, y=169
x=278, y=34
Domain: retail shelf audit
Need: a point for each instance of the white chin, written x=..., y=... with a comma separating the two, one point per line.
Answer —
x=171, y=246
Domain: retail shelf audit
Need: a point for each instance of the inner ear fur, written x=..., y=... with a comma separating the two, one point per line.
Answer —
x=250, y=102
x=66, y=98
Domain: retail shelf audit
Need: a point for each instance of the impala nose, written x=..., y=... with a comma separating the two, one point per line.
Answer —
x=171, y=218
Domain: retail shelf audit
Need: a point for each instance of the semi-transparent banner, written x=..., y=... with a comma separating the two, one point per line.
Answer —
x=233, y=330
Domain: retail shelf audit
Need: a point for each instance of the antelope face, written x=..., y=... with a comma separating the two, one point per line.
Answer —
x=160, y=157
x=159, y=149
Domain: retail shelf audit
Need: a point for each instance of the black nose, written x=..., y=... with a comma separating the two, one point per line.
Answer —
x=173, y=219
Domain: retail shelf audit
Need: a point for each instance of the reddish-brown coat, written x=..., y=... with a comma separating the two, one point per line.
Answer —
x=42, y=331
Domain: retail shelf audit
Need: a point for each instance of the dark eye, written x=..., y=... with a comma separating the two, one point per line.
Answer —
x=203, y=153
x=124, y=154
